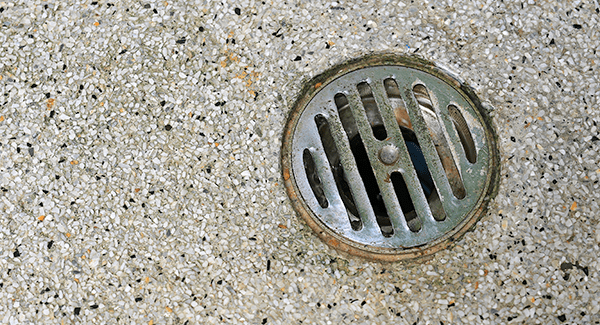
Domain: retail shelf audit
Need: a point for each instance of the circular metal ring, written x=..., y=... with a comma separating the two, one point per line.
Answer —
x=389, y=157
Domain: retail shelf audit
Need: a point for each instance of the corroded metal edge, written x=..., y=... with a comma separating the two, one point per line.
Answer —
x=311, y=87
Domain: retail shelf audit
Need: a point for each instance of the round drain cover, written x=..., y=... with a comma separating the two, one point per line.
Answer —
x=389, y=157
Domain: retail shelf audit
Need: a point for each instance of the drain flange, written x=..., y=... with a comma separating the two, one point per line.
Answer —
x=388, y=157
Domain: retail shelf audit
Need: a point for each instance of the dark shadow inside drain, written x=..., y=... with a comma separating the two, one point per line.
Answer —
x=364, y=165
x=425, y=179
x=313, y=179
x=337, y=169
x=406, y=204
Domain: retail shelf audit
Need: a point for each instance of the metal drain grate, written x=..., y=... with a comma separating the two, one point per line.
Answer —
x=389, y=157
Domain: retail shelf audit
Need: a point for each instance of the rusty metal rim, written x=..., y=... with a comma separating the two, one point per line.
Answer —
x=311, y=87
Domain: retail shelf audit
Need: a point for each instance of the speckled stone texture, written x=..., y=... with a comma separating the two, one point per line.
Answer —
x=140, y=179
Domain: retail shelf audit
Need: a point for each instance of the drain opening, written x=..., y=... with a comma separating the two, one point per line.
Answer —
x=406, y=204
x=370, y=106
x=364, y=172
x=439, y=140
x=313, y=179
x=464, y=134
x=363, y=163
x=338, y=171
x=418, y=160
x=400, y=112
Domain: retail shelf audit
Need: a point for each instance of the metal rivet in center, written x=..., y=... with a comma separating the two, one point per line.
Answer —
x=389, y=154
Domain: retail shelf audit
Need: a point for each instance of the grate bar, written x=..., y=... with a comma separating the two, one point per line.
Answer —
x=436, y=169
x=365, y=211
x=406, y=165
x=429, y=112
x=372, y=147
x=331, y=151
x=335, y=209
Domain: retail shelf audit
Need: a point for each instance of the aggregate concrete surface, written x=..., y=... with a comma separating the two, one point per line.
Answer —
x=140, y=179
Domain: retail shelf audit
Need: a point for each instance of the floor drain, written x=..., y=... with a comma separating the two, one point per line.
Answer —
x=389, y=157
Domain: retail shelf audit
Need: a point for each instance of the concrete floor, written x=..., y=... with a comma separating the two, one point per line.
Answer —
x=140, y=179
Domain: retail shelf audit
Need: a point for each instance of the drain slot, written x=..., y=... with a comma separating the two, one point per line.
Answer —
x=406, y=204
x=466, y=139
x=363, y=164
x=439, y=140
x=400, y=112
x=338, y=171
x=313, y=179
x=373, y=114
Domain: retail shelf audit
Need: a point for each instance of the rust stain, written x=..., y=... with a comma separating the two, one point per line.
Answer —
x=50, y=102
x=402, y=118
x=319, y=84
x=286, y=174
x=282, y=226
x=41, y=218
x=574, y=206
x=333, y=243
